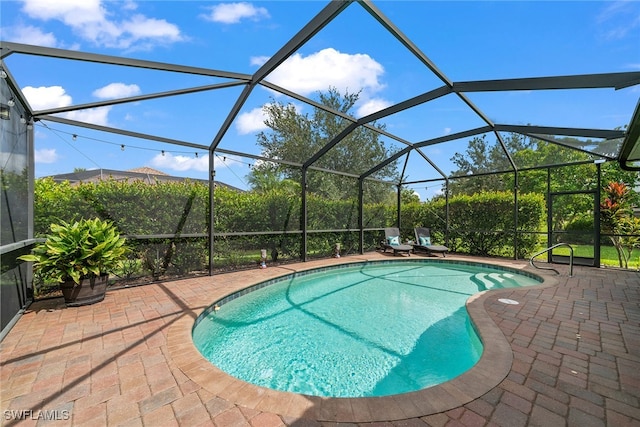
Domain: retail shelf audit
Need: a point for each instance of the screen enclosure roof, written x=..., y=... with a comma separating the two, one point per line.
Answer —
x=410, y=126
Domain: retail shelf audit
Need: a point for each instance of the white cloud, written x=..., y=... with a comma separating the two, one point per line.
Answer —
x=12, y=162
x=141, y=27
x=97, y=116
x=618, y=19
x=258, y=60
x=116, y=90
x=329, y=67
x=446, y=131
x=371, y=106
x=70, y=12
x=91, y=20
x=233, y=13
x=29, y=34
x=46, y=155
x=253, y=121
x=45, y=97
x=180, y=162
x=129, y=5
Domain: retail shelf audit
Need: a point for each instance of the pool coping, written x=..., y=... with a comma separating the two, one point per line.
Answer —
x=493, y=366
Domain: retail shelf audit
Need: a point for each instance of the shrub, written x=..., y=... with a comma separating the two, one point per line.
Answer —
x=481, y=224
x=579, y=231
x=78, y=250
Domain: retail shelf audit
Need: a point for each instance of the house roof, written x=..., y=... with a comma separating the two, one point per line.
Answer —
x=147, y=170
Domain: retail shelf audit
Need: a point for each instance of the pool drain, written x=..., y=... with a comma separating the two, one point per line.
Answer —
x=508, y=301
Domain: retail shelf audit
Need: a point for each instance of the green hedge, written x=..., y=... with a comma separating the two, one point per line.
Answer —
x=481, y=224
x=135, y=207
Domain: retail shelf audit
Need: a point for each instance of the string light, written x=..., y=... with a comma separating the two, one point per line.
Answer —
x=44, y=125
x=22, y=119
x=231, y=170
x=3, y=74
x=224, y=160
x=11, y=102
x=75, y=136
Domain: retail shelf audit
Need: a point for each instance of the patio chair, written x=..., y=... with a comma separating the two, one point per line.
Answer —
x=423, y=242
x=392, y=241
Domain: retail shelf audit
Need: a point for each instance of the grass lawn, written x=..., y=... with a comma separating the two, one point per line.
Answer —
x=608, y=255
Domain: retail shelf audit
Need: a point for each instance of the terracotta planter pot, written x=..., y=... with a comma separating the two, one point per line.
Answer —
x=89, y=291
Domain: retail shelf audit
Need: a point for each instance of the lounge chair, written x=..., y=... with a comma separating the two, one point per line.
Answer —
x=423, y=242
x=392, y=241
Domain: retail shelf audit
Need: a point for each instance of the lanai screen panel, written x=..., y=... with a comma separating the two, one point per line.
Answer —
x=606, y=148
x=593, y=108
x=14, y=154
x=437, y=56
x=543, y=150
x=432, y=119
x=421, y=175
x=15, y=206
x=431, y=59
x=162, y=118
x=119, y=96
x=480, y=153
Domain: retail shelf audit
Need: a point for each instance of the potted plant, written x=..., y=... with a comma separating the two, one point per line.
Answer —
x=79, y=256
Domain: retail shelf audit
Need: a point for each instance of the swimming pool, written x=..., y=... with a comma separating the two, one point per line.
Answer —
x=365, y=329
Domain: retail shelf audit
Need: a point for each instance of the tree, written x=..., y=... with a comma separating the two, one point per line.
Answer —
x=481, y=156
x=409, y=195
x=297, y=137
x=267, y=179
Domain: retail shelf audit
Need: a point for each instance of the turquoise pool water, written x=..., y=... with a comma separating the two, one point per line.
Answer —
x=370, y=329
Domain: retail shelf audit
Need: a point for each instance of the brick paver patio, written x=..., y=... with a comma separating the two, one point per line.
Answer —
x=574, y=361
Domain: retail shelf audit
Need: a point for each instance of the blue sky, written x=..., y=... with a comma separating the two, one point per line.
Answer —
x=466, y=40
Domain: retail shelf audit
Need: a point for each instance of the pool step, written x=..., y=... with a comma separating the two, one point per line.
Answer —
x=488, y=281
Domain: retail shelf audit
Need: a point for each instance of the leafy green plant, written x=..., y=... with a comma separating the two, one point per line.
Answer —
x=74, y=251
x=617, y=219
x=483, y=223
x=128, y=268
x=580, y=230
